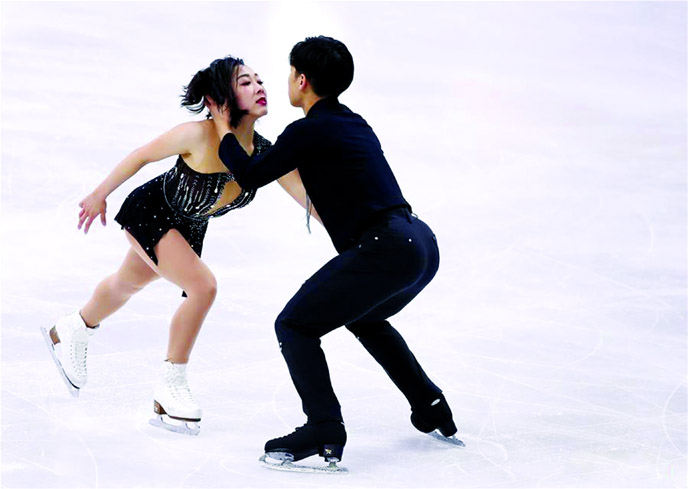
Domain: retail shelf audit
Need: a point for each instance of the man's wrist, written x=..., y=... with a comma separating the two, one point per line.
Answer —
x=225, y=149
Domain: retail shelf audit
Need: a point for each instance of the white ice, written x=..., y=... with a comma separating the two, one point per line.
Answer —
x=545, y=143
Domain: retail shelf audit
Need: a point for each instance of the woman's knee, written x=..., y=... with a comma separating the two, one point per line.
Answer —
x=127, y=285
x=211, y=287
x=203, y=287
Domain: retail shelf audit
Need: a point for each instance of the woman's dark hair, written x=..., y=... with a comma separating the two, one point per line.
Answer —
x=216, y=82
x=326, y=62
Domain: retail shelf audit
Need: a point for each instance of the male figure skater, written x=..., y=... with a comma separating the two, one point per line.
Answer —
x=386, y=254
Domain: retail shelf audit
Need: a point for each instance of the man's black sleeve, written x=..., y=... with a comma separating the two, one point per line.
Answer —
x=252, y=172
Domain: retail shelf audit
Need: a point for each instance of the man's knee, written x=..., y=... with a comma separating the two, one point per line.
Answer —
x=369, y=328
x=356, y=328
x=290, y=327
x=283, y=328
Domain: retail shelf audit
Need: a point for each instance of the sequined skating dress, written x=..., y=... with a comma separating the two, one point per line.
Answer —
x=181, y=199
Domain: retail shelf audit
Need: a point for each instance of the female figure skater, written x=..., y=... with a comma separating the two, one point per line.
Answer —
x=165, y=221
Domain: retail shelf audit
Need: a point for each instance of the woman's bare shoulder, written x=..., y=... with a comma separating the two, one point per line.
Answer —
x=196, y=129
x=199, y=135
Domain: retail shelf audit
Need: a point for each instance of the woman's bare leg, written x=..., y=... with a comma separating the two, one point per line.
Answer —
x=179, y=264
x=114, y=291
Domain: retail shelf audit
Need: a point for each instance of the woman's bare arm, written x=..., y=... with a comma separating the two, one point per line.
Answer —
x=291, y=182
x=182, y=139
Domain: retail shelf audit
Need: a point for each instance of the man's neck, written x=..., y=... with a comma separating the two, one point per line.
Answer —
x=309, y=101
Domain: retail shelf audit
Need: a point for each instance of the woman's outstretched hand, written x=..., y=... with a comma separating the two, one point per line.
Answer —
x=220, y=117
x=91, y=207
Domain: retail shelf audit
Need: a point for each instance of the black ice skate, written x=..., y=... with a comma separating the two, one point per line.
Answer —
x=324, y=439
x=436, y=420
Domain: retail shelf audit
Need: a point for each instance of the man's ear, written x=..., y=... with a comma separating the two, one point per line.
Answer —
x=303, y=82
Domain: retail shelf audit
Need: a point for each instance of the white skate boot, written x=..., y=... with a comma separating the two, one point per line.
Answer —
x=68, y=345
x=173, y=402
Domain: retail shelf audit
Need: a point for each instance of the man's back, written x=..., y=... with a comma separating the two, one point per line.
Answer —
x=343, y=169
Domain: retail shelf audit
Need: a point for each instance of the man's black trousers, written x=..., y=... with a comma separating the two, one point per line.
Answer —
x=360, y=288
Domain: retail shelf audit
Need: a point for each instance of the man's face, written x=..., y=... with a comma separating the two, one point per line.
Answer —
x=295, y=95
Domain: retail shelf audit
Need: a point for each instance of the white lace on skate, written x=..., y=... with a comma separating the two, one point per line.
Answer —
x=173, y=403
x=73, y=335
x=178, y=391
x=78, y=350
x=68, y=345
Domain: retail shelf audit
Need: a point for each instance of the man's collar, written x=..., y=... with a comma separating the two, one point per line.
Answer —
x=323, y=104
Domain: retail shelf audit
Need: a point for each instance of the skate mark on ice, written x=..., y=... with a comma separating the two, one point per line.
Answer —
x=651, y=231
x=481, y=441
x=497, y=458
x=598, y=408
x=601, y=277
x=664, y=418
x=31, y=462
x=61, y=424
x=172, y=442
x=273, y=403
x=595, y=349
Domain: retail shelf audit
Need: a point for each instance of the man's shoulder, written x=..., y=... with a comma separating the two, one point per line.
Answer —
x=303, y=125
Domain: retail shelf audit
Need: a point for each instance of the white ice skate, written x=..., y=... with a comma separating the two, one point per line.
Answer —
x=68, y=345
x=173, y=403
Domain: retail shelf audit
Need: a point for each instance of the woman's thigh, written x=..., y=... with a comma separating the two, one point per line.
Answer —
x=135, y=272
x=177, y=261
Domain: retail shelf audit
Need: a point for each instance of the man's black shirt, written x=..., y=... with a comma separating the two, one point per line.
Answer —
x=341, y=164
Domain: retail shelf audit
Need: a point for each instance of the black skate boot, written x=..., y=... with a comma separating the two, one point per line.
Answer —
x=326, y=439
x=436, y=417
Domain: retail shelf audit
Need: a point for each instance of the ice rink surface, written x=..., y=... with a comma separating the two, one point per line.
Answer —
x=545, y=143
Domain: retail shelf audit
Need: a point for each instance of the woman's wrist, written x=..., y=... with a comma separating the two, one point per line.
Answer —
x=100, y=192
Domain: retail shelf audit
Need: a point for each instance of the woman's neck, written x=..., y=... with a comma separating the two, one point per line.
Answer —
x=244, y=134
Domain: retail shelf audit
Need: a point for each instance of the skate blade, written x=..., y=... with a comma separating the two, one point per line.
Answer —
x=184, y=427
x=73, y=390
x=288, y=466
x=452, y=440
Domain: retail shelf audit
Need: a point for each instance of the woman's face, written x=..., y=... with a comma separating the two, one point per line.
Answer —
x=250, y=93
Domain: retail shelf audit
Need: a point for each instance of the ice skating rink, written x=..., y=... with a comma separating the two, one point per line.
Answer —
x=545, y=143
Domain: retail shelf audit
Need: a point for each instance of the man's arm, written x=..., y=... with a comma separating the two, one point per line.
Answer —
x=254, y=172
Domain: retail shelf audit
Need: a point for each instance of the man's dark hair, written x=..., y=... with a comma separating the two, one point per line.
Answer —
x=216, y=82
x=326, y=62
